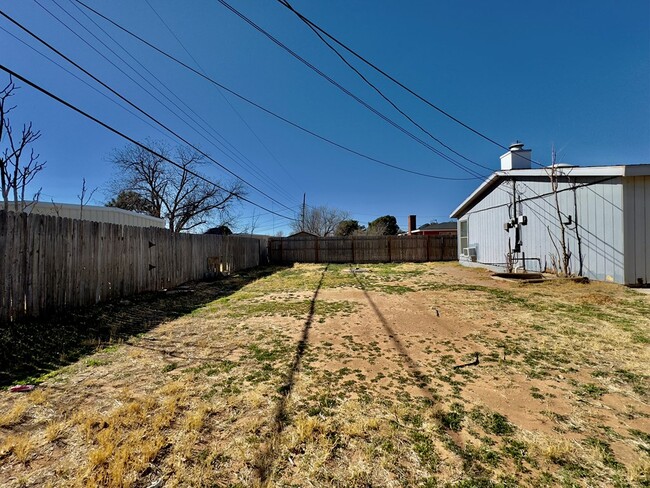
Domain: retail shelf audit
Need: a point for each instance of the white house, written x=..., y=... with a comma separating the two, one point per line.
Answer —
x=515, y=218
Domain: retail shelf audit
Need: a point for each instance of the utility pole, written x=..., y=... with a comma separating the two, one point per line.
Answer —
x=304, y=204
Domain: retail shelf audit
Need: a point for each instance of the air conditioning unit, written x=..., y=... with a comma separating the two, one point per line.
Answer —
x=470, y=253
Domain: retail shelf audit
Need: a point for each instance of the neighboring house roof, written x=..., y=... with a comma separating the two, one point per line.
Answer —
x=302, y=234
x=94, y=213
x=564, y=170
x=439, y=226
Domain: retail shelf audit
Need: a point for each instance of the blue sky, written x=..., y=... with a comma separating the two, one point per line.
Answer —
x=571, y=74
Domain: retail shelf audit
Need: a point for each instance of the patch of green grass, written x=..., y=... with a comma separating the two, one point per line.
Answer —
x=390, y=289
x=424, y=447
x=212, y=369
x=94, y=362
x=169, y=367
x=605, y=451
x=643, y=437
x=638, y=382
x=640, y=338
x=517, y=450
x=453, y=419
x=323, y=405
x=591, y=390
x=298, y=309
x=265, y=373
x=492, y=422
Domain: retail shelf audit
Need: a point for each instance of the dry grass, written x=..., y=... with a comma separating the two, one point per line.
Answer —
x=253, y=389
x=14, y=415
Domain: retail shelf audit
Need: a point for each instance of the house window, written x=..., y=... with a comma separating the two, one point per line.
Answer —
x=464, y=238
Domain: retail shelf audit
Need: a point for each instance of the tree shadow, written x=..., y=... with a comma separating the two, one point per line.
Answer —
x=267, y=455
x=31, y=348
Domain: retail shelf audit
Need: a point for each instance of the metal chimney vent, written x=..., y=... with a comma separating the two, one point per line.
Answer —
x=516, y=158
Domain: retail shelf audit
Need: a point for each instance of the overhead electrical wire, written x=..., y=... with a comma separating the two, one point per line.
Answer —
x=343, y=89
x=286, y=4
x=227, y=148
x=390, y=101
x=134, y=141
x=316, y=27
x=258, y=106
x=112, y=100
x=145, y=79
x=143, y=112
x=317, y=30
x=311, y=66
x=232, y=107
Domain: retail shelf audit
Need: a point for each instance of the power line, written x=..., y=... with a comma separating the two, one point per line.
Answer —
x=131, y=140
x=315, y=27
x=286, y=4
x=223, y=145
x=138, y=108
x=235, y=111
x=146, y=80
x=342, y=88
x=256, y=105
x=112, y=100
x=391, y=102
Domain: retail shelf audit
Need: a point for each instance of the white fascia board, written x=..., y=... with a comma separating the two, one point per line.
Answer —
x=618, y=170
x=482, y=188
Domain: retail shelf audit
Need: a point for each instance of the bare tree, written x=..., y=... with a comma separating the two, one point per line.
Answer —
x=562, y=260
x=250, y=228
x=18, y=165
x=561, y=247
x=83, y=199
x=175, y=194
x=321, y=221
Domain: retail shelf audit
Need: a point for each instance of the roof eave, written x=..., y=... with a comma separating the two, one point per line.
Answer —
x=476, y=193
x=618, y=170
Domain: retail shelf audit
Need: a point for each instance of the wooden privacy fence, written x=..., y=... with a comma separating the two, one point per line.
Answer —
x=49, y=263
x=376, y=249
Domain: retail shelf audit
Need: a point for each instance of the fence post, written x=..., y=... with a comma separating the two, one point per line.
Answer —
x=390, y=258
x=317, y=260
x=353, y=259
x=428, y=246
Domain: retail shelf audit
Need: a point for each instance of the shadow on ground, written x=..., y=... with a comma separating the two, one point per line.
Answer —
x=268, y=456
x=30, y=349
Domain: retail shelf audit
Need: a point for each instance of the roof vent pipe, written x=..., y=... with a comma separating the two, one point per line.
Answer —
x=516, y=158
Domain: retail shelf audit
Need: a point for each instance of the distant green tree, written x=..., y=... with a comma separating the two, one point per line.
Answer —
x=133, y=201
x=348, y=227
x=384, y=226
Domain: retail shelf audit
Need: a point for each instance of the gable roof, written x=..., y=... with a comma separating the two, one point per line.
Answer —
x=495, y=179
x=302, y=233
x=439, y=226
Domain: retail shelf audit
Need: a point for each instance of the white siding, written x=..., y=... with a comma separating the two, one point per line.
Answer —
x=637, y=228
x=600, y=224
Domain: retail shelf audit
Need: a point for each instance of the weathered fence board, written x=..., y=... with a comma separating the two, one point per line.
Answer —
x=362, y=249
x=49, y=263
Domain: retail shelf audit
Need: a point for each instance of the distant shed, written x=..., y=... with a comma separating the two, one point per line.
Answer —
x=93, y=213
